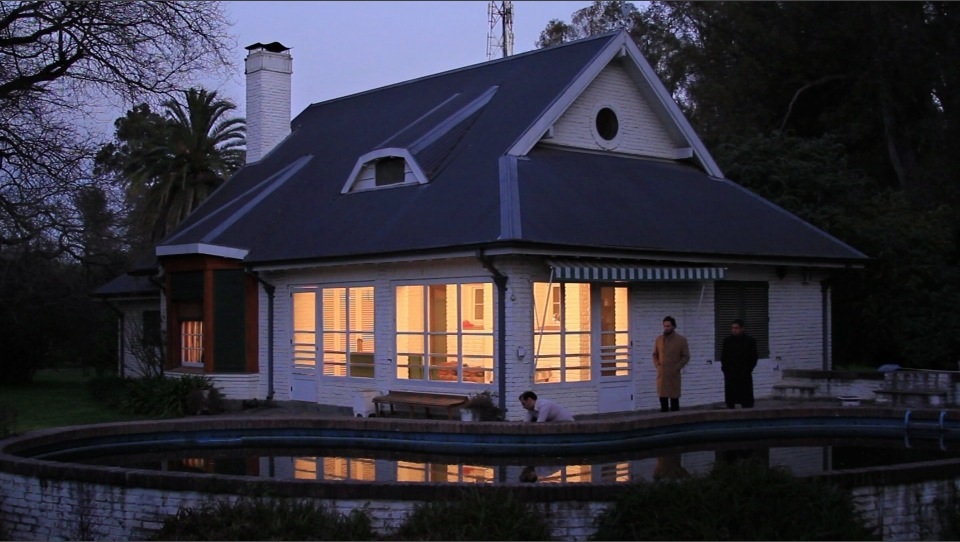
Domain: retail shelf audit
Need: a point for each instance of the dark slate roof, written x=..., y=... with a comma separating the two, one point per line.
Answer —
x=579, y=199
x=289, y=207
x=130, y=286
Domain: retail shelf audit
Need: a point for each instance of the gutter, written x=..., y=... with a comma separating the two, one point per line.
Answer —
x=270, y=289
x=501, y=282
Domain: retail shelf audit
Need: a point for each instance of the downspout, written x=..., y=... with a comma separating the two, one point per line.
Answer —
x=501, y=282
x=824, y=323
x=121, y=366
x=270, y=289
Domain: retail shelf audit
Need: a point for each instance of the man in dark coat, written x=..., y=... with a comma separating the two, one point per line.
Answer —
x=738, y=359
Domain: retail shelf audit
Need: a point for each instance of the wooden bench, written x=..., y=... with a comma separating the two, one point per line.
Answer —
x=413, y=399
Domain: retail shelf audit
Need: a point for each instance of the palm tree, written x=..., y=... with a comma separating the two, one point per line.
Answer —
x=173, y=161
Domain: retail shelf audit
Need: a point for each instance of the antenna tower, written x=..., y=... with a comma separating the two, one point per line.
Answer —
x=500, y=37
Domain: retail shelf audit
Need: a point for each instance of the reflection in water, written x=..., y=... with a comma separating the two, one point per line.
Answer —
x=531, y=474
x=801, y=456
x=669, y=467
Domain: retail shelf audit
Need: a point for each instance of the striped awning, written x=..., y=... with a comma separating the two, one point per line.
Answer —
x=600, y=270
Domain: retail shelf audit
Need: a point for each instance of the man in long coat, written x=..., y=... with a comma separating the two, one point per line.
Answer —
x=670, y=354
x=737, y=361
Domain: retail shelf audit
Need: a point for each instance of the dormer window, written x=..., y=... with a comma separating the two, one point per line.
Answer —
x=390, y=170
x=385, y=168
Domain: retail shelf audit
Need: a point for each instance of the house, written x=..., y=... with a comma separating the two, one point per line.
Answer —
x=524, y=223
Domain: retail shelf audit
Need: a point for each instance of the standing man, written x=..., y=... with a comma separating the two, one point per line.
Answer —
x=737, y=361
x=670, y=354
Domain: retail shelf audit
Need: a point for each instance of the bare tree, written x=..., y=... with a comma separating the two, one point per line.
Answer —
x=61, y=63
x=144, y=345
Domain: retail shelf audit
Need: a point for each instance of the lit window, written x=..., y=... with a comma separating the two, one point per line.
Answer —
x=191, y=343
x=565, y=333
x=445, y=332
x=348, y=330
x=562, y=347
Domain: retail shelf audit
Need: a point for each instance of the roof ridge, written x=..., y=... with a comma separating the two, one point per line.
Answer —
x=606, y=35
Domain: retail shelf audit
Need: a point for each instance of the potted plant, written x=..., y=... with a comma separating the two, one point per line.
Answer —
x=480, y=406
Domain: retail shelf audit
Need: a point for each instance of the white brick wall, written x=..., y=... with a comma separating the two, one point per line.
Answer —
x=795, y=326
x=132, y=330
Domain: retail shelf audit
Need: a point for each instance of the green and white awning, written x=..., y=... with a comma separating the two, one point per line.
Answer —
x=601, y=270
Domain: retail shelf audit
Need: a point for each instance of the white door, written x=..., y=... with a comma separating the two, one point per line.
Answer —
x=303, y=377
x=614, y=370
x=303, y=385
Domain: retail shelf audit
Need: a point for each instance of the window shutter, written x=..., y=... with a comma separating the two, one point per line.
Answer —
x=748, y=301
x=229, y=315
x=186, y=286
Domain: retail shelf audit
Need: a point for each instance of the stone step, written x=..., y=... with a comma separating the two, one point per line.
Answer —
x=794, y=390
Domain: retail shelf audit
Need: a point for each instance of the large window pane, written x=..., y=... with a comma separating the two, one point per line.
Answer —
x=562, y=337
x=445, y=332
x=348, y=332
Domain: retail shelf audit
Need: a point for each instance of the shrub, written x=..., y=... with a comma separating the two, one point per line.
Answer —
x=158, y=396
x=8, y=420
x=480, y=514
x=484, y=407
x=265, y=519
x=743, y=501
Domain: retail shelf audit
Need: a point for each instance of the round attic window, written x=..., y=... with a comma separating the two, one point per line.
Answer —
x=607, y=124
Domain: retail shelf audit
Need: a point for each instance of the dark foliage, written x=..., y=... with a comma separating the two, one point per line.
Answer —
x=158, y=396
x=740, y=501
x=265, y=519
x=481, y=514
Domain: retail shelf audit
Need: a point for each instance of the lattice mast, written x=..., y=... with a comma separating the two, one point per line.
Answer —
x=500, y=37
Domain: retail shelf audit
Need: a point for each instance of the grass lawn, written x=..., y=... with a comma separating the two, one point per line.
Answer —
x=57, y=397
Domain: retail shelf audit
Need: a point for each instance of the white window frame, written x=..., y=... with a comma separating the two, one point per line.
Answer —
x=477, y=333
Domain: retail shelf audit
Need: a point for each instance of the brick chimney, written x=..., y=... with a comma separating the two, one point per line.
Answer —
x=268, y=68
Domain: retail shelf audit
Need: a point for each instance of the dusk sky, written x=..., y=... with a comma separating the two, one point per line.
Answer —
x=340, y=48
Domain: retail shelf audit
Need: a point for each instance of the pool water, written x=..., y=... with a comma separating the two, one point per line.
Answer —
x=807, y=456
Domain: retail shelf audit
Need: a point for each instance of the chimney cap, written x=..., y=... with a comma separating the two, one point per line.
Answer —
x=274, y=47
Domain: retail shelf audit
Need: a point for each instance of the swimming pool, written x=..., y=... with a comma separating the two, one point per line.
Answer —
x=35, y=469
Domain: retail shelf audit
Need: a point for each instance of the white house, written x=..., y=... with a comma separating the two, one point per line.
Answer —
x=524, y=223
